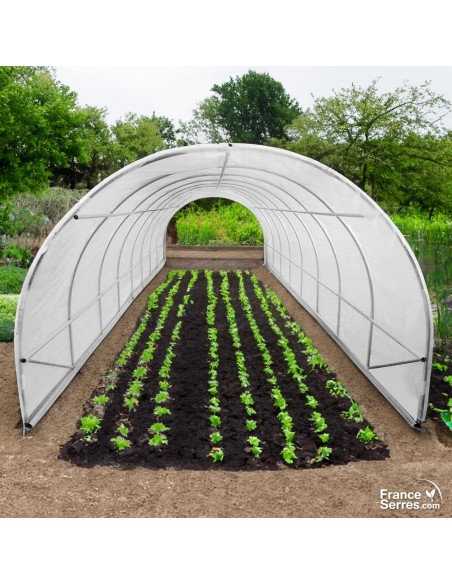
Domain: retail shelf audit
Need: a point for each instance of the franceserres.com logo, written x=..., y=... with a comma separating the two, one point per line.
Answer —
x=428, y=498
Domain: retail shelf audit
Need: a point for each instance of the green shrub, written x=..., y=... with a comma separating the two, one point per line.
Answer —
x=11, y=279
x=17, y=256
x=8, y=306
x=6, y=331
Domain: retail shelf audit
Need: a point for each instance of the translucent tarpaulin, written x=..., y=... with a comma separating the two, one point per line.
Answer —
x=328, y=243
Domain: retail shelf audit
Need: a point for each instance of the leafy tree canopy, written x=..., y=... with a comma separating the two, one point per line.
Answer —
x=139, y=136
x=248, y=109
x=38, y=122
x=393, y=145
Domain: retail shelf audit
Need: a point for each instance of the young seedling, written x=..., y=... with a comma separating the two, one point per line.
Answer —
x=216, y=437
x=354, y=413
x=439, y=366
x=158, y=428
x=123, y=430
x=288, y=453
x=246, y=398
x=336, y=388
x=366, y=435
x=251, y=425
x=139, y=373
x=217, y=454
x=158, y=440
x=162, y=397
x=160, y=411
x=89, y=425
x=311, y=401
x=215, y=421
x=120, y=442
x=131, y=402
x=101, y=400
x=323, y=453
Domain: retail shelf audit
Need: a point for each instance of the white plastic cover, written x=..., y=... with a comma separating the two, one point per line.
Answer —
x=324, y=239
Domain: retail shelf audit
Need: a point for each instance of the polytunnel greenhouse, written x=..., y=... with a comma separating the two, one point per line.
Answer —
x=325, y=240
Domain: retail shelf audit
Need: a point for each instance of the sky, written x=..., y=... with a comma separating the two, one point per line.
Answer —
x=175, y=91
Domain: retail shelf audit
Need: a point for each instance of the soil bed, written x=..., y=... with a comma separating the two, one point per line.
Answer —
x=188, y=438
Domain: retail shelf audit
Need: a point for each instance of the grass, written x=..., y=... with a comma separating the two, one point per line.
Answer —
x=417, y=225
x=223, y=224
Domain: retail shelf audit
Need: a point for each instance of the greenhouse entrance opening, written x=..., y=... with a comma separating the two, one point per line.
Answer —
x=325, y=240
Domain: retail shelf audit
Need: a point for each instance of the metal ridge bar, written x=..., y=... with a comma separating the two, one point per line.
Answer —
x=422, y=359
x=315, y=213
x=121, y=214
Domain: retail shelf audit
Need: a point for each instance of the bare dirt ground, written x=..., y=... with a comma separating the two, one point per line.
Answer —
x=34, y=482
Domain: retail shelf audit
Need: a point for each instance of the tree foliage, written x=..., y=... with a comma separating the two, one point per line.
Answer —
x=139, y=136
x=248, y=109
x=393, y=145
x=38, y=122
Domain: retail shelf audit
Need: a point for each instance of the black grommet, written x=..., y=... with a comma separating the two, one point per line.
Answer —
x=423, y=359
x=23, y=360
x=229, y=144
x=75, y=216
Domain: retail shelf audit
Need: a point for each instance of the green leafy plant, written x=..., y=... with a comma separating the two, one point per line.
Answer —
x=121, y=442
x=101, y=400
x=160, y=411
x=158, y=440
x=139, y=372
x=158, y=428
x=162, y=397
x=215, y=421
x=89, y=424
x=216, y=437
x=311, y=401
x=288, y=453
x=366, y=435
x=217, y=454
x=251, y=425
x=336, y=388
x=439, y=366
x=354, y=413
x=323, y=453
x=130, y=402
x=448, y=379
x=123, y=430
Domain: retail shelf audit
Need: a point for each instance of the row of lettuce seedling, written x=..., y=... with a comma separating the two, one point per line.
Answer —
x=136, y=386
x=216, y=452
x=295, y=371
x=158, y=430
x=246, y=396
x=91, y=423
x=334, y=387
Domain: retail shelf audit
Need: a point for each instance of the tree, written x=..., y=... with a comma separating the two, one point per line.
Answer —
x=139, y=136
x=38, y=123
x=391, y=144
x=248, y=109
x=96, y=157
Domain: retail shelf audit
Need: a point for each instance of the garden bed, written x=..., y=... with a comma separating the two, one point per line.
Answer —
x=218, y=376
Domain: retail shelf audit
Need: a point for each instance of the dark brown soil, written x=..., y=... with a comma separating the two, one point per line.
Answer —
x=188, y=438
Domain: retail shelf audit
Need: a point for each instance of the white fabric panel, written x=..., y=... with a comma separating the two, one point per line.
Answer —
x=354, y=282
x=317, y=226
x=354, y=332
